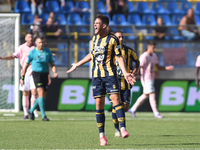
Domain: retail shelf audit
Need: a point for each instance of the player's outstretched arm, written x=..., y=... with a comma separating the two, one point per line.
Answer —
x=86, y=59
x=169, y=68
x=197, y=77
x=127, y=75
x=11, y=57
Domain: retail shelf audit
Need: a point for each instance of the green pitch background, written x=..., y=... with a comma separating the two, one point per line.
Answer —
x=78, y=130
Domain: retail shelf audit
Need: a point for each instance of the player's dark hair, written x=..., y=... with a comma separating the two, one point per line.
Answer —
x=118, y=32
x=28, y=33
x=151, y=43
x=103, y=18
x=39, y=37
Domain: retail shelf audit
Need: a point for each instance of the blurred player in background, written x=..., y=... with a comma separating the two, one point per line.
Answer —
x=197, y=71
x=22, y=53
x=40, y=58
x=129, y=56
x=148, y=61
x=105, y=46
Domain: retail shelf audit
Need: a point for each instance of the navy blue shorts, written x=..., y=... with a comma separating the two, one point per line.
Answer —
x=125, y=96
x=105, y=85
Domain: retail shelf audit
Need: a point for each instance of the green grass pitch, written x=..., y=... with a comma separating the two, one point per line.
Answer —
x=78, y=130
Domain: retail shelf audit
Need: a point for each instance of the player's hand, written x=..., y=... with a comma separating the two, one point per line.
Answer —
x=169, y=68
x=74, y=66
x=22, y=82
x=129, y=78
x=55, y=75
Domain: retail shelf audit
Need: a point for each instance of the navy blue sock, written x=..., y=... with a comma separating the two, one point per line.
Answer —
x=120, y=114
x=100, y=117
x=114, y=117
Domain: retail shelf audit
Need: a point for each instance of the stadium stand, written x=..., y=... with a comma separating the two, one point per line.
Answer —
x=61, y=19
x=143, y=8
x=52, y=6
x=158, y=8
x=21, y=6
x=149, y=20
x=68, y=8
x=119, y=19
x=27, y=19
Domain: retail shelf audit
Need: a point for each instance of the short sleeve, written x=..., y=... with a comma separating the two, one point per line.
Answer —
x=198, y=61
x=29, y=57
x=133, y=56
x=142, y=60
x=18, y=52
x=51, y=60
x=117, y=47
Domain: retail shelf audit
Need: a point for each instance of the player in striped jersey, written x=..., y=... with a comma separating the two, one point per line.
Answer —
x=105, y=46
x=129, y=56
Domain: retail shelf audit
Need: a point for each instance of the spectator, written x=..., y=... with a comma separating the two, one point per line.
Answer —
x=53, y=16
x=160, y=30
x=116, y=7
x=10, y=3
x=36, y=28
x=53, y=28
x=36, y=5
x=188, y=31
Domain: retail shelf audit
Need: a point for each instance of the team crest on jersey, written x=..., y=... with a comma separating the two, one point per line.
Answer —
x=105, y=44
x=114, y=86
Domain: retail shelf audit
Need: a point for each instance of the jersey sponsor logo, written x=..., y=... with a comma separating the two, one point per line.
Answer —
x=122, y=119
x=93, y=87
x=114, y=90
x=98, y=53
x=40, y=84
x=99, y=125
x=118, y=46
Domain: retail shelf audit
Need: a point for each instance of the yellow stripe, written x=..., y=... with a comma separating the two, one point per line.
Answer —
x=99, y=96
x=123, y=83
x=102, y=44
x=109, y=57
x=113, y=111
x=100, y=113
x=119, y=107
x=113, y=93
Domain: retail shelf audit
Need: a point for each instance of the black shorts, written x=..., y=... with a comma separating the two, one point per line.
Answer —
x=40, y=80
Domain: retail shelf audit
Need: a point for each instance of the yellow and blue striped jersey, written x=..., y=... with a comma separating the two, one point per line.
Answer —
x=103, y=51
x=129, y=56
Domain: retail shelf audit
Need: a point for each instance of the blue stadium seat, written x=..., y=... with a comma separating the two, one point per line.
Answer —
x=130, y=7
x=86, y=18
x=176, y=19
x=74, y=19
x=197, y=8
x=69, y=6
x=21, y=6
x=61, y=19
x=149, y=20
x=197, y=19
x=113, y=29
x=81, y=55
x=44, y=17
x=119, y=19
x=82, y=5
x=157, y=7
x=61, y=58
x=166, y=19
x=27, y=19
x=128, y=30
x=173, y=34
x=61, y=46
x=52, y=6
x=80, y=30
x=134, y=19
x=172, y=7
x=100, y=7
x=184, y=6
x=110, y=20
x=143, y=8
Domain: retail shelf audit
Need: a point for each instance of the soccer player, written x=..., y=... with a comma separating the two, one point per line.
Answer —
x=197, y=71
x=148, y=61
x=40, y=58
x=105, y=46
x=22, y=53
x=129, y=56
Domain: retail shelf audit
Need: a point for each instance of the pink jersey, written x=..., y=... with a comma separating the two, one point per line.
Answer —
x=147, y=64
x=198, y=61
x=22, y=53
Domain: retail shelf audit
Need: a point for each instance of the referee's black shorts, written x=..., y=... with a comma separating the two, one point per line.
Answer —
x=40, y=80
